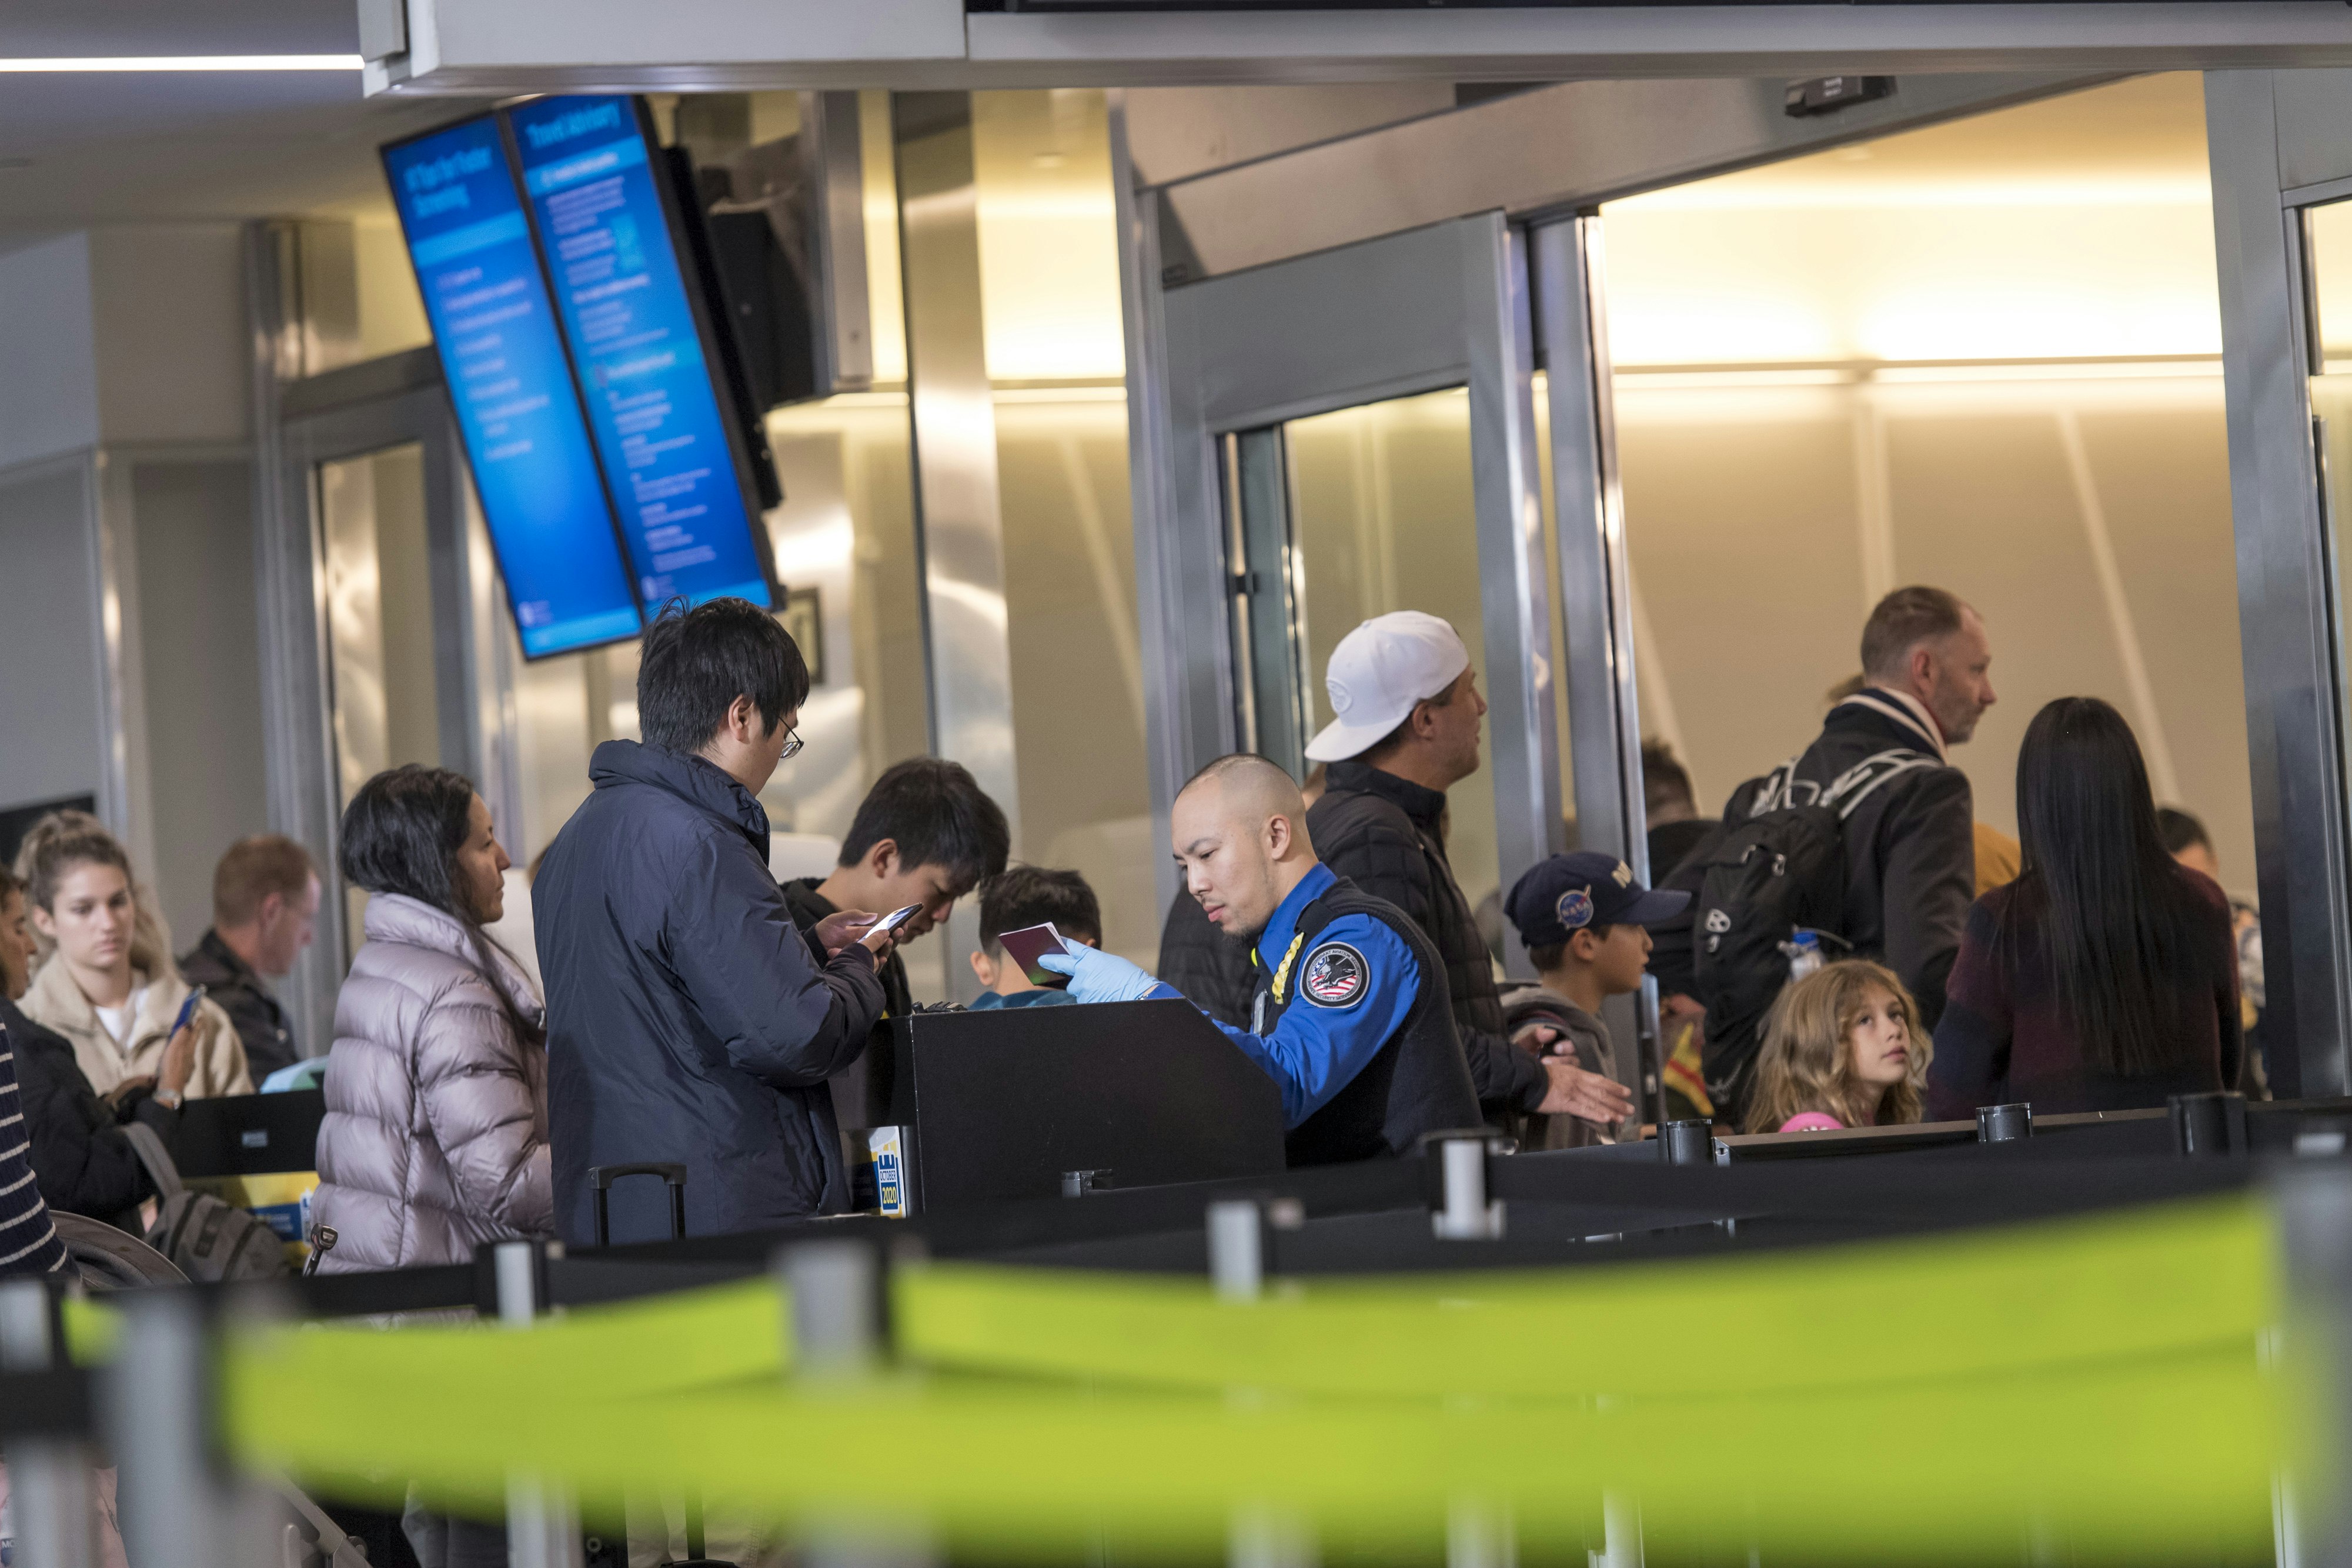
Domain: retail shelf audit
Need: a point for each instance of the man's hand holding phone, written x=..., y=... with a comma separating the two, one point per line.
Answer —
x=884, y=937
x=878, y=935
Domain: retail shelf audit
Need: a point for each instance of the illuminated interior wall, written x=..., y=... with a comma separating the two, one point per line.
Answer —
x=1049, y=292
x=1983, y=355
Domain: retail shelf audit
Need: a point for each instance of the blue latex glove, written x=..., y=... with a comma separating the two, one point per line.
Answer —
x=1100, y=977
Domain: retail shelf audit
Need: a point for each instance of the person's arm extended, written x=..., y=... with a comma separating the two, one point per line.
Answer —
x=1929, y=879
x=1502, y=1073
x=748, y=970
x=1971, y=1045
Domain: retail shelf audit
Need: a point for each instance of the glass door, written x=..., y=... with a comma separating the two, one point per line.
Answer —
x=382, y=707
x=1355, y=435
x=367, y=645
x=1341, y=516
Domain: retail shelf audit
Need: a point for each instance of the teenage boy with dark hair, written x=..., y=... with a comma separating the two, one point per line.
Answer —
x=688, y=1020
x=926, y=834
x=1026, y=895
x=1585, y=921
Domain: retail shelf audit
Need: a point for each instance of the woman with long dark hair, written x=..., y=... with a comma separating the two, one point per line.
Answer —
x=435, y=1135
x=2105, y=976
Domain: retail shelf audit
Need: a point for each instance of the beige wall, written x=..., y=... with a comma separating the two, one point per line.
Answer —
x=1983, y=356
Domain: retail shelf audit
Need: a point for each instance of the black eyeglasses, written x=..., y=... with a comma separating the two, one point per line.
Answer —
x=793, y=744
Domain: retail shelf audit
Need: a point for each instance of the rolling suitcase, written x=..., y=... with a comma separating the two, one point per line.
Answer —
x=600, y=1185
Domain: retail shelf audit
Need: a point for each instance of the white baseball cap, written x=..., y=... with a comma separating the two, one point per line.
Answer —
x=1377, y=674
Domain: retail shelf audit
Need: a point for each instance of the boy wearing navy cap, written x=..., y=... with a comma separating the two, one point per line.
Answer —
x=1585, y=920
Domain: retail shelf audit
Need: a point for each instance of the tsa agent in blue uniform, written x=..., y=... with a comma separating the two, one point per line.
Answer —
x=1350, y=1017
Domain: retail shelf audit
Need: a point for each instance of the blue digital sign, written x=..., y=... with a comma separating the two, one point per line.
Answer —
x=642, y=365
x=550, y=521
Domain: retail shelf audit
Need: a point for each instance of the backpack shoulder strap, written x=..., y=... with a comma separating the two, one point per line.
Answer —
x=1855, y=784
x=1776, y=791
x=149, y=1147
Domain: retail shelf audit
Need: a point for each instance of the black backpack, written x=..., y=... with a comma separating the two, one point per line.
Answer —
x=1780, y=872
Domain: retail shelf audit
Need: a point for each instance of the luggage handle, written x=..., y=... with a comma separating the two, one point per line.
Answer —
x=601, y=1177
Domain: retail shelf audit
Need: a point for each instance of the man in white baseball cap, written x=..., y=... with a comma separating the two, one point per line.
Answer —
x=1385, y=669
x=1405, y=730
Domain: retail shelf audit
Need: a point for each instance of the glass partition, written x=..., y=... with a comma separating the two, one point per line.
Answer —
x=1381, y=515
x=1984, y=356
x=2327, y=268
x=384, y=710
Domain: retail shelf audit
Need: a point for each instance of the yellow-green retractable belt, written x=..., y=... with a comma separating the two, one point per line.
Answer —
x=2090, y=1379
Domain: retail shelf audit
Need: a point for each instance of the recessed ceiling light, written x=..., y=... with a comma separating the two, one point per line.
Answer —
x=186, y=63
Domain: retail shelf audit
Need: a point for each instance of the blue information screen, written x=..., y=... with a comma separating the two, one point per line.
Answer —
x=549, y=522
x=652, y=403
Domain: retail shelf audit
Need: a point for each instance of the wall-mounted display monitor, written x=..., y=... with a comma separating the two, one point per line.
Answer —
x=609, y=224
x=509, y=380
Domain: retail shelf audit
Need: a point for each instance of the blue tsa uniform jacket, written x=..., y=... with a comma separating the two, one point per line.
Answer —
x=1351, y=1021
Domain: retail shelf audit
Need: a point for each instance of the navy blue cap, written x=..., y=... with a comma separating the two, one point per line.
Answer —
x=1569, y=892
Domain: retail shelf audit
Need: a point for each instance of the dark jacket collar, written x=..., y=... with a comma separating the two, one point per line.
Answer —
x=700, y=784
x=1418, y=801
x=221, y=953
x=1877, y=713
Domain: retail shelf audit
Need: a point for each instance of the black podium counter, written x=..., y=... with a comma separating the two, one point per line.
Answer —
x=1035, y=1102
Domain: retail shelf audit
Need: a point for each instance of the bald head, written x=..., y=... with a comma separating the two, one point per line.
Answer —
x=1239, y=828
x=1250, y=785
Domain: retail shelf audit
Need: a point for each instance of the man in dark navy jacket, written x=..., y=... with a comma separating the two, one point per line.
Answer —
x=689, y=1018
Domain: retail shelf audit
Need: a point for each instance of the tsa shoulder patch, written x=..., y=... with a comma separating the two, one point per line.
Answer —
x=1335, y=975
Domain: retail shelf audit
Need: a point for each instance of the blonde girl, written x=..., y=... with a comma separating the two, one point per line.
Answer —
x=1843, y=1048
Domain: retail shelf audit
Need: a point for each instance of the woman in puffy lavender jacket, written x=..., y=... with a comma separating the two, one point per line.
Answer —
x=435, y=1136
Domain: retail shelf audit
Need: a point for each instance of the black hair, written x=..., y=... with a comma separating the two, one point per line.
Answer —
x=2180, y=829
x=693, y=664
x=2112, y=911
x=1025, y=896
x=1548, y=957
x=401, y=833
x=1663, y=778
x=937, y=813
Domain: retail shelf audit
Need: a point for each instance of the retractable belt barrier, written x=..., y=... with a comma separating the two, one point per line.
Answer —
x=1942, y=1354
x=2095, y=1377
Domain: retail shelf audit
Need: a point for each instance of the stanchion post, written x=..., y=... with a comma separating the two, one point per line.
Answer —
x=1621, y=1521
x=1463, y=1210
x=839, y=1342
x=2004, y=1123
x=1237, y=1230
x=835, y=1291
x=2313, y=1513
x=1480, y=1534
x=1261, y=1536
x=542, y=1527
x=2207, y=1125
x=179, y=1502
x=48, y=1478
x=1688, y=1142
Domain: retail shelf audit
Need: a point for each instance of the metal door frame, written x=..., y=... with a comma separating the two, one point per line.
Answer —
x=2279, y=143
x=1437, y=307
x=329, y=418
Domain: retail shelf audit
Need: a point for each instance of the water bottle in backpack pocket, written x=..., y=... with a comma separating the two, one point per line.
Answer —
x=1771, y=901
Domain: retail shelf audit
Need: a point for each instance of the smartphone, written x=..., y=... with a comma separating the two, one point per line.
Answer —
x=1031, y=942
x=187, y=1009
x=890, y=922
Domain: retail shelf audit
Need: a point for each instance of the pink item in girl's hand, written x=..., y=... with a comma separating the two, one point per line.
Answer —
x=1812, y=1122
